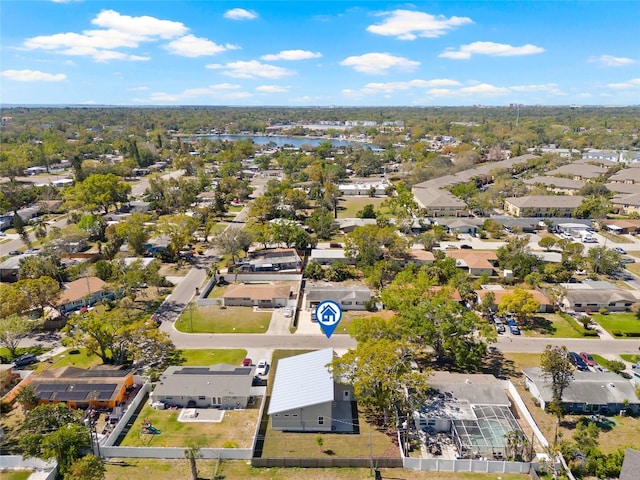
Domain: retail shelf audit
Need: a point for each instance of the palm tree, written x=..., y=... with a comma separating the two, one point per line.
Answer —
x=515, y=445
x=192, y=452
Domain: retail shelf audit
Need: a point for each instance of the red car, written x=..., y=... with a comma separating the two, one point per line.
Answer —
x=588, y=359
x=247, y=362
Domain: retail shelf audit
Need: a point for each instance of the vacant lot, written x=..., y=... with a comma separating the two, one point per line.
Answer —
x=552, y=325
x=74, y=357
x=130, y=468
x=200, y=357
x=216, y=319
x=348, y=207
x=618, y=324
x=235, y=431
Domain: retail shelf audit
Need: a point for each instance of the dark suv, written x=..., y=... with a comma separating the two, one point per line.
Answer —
x=26, y=359
x=578, y=362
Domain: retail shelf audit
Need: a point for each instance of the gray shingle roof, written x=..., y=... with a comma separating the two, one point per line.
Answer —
x=593, y=388
x=317, y=294
x=221, y=379
x=302, y=381
x=631, y=465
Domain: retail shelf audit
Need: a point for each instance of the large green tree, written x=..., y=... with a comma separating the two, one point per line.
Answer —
x=98, y=191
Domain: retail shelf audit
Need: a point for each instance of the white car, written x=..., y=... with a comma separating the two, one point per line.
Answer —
x=287, y=312
x=262, y=367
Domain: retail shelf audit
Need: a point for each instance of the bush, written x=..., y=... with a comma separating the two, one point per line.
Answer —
x=603, y=311
x=582, y=331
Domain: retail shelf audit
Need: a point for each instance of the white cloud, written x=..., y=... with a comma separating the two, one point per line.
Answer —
x=144, y=26
x=391, y=87
x=490, y=48
x=485, y=89
x=192, y=46
x=409, y=24
x=66, y=1
x=611, y=61
x=33, y=76
x=138, y=89
x=120, y=31
x=272, y=89
x=251, y=69
x=240, y=14
x=379, y=63
x=291, y=55
x=219, y=91
x=633, y=83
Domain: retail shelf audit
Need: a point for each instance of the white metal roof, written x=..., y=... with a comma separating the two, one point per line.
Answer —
x=302, y=381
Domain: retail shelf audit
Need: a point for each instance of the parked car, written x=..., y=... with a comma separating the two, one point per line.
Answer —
x=465, y=246
x=262, y=368
x=627, y=260
x=247, y=362
x=578, y=362
x=287, y=312
x=588, y=359
x=15, y=252
x=620, y=250
x=26, y=359
x=500, y=328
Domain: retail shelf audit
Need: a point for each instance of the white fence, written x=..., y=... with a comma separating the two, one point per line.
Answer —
x=203, y=301
x=108, y=449
x=522, y=408
x=175, y=452
x=477, y=466
x=133, y=406
x=42, y=470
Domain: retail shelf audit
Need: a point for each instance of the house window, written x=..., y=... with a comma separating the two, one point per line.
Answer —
x=202, y=398
x=295, y=415
x=320, y=420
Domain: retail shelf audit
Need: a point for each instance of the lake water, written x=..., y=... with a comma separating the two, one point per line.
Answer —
x=282, y=141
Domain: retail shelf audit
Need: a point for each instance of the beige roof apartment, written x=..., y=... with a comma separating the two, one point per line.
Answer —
x=542, y=205
x=579, y=170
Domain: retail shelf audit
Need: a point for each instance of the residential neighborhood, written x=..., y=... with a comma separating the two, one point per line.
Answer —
x=484, y=313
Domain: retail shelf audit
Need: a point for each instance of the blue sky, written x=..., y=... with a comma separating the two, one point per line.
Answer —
x=297, y=53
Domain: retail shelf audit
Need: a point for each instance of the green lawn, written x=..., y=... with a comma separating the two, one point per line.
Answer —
x=618, y=324
x=613, y=237
x=551, y=325
x=199, y=357
x=19, y=475
x=348, y=207
x=215, y=319
x=627, y=357
x=4, y=351
x=235, y=431
x=75, y=357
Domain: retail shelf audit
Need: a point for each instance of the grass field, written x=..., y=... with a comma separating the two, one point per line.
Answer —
x=19, y=475
x=618, y=322
x=214, y=319
x=130, y=468
x=235, y=431
x=199, y=357
x=75, y=357
x=348, y=207
x=627, y=357
x=551, y=325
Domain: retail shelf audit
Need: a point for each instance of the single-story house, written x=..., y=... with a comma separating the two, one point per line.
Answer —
x=542, y=205
x=83, y=292
x=272, y=260
x=364, y=188
x=473, y=408
x=349, y=298
x=330, y=256
x=157, y=244
x=10, y=268
x=218, y=386
x=546, y=305
x=99, y=387
x=613, y=299
x=588, y=392
x=623, y=227
x=462, y=225
x=348, y=225
x=419, y=256
x=307, y=398
x=257, y=295
x=476, y=262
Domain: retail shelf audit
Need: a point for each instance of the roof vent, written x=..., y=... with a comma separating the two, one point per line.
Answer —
x=612, y=385
x=467, y=381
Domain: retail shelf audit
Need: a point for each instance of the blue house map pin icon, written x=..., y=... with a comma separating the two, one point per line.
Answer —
x=328, y=314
